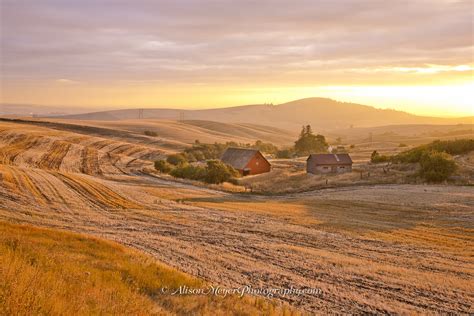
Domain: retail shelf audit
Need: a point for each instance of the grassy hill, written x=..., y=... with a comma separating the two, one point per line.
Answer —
x=45, y=271
x=325, y=114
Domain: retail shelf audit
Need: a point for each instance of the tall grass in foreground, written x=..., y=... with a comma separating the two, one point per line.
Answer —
x=50, y=272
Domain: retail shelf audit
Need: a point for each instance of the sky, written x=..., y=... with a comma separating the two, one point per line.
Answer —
x=414, y=56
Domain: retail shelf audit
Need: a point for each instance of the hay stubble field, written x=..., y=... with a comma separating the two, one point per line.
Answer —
x=375, y=248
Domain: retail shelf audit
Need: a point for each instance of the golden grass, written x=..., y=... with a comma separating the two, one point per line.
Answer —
x=457, y=240
x=45, y=271
x=292, y=212
x=90, y=161
x=9, y=152
x=96, y=192
x=53, y=158
x=19, y=181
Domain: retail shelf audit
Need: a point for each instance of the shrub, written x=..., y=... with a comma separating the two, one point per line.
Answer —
x=218, y=172
x=402, y=145
x=176, y=159
x=452, y=147
x=186, y=171
x=163, y=166
x=377, y=158
x=436, y=166
x=201, y=152
x=268, y=148
x=215, y=172
x=150, y=133
x=285, y=153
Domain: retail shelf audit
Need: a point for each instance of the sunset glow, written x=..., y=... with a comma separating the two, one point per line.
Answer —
x=412, y=56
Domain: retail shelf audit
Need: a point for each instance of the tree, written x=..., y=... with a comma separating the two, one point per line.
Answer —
x=176, y=159
x=163, y=166
x=436, y=166
x=218, y=172
x=376, y=157
x=150, y=133
x=186, y=171
x=309, y=143
x=285, y=153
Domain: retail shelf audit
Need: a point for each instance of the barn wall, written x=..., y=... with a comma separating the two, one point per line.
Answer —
x=258, y=164
x=311, y=167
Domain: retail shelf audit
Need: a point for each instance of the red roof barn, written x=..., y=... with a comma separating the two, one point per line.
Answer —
x=246, y=161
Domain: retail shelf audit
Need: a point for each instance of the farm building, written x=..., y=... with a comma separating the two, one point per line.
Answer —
x=328, y=163
x=246, y=161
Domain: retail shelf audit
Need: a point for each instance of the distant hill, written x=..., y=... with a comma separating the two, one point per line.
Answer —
x=323, y=114
x=187, y=131
x=39, y=110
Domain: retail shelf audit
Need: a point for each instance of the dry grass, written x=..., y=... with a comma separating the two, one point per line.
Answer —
x=283, y=180
x=18, y=144
x=53, y=158
x=371, y=249
x=43, y=271
x=96, y=192
x=294, y=213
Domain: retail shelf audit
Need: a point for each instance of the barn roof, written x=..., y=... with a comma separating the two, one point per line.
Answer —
x=238, y=157
x=331, y=159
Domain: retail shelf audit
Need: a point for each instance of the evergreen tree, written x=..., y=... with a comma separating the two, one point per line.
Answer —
x=308, y=143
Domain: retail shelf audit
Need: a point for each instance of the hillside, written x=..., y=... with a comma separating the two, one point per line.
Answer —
x=171, y=135
x=188, y=131
x=57, y=175
x=410, y=134
x=325, y=114
x=54, y=272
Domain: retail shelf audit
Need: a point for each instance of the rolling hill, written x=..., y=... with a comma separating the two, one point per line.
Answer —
x=323, y=114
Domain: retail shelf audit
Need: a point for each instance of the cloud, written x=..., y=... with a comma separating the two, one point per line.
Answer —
x=66, y=81
x=213, y=40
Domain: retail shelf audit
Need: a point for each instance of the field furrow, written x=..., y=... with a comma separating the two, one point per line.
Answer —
x=96, y=193
x=90, y=161
x=18, y=145
x=19, y=181
x=53, y=158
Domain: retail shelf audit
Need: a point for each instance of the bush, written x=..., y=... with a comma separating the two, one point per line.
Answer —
x=176, y=159
x=268, y=148
x=163, y=166
x=150, y=133
x=402, y=145
x=452, y=147
x=218, y=172
x=436, y=166
x=186, y=171
x=214, y=172
x=285, y=153
x=202, y=152
x=377, y=158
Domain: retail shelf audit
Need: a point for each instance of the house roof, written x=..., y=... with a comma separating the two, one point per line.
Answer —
x=238, y=157
x=330, y=159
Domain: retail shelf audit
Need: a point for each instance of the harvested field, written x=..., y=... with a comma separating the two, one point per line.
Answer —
x=398, y=249
x=90, y=161
x=53, y=158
